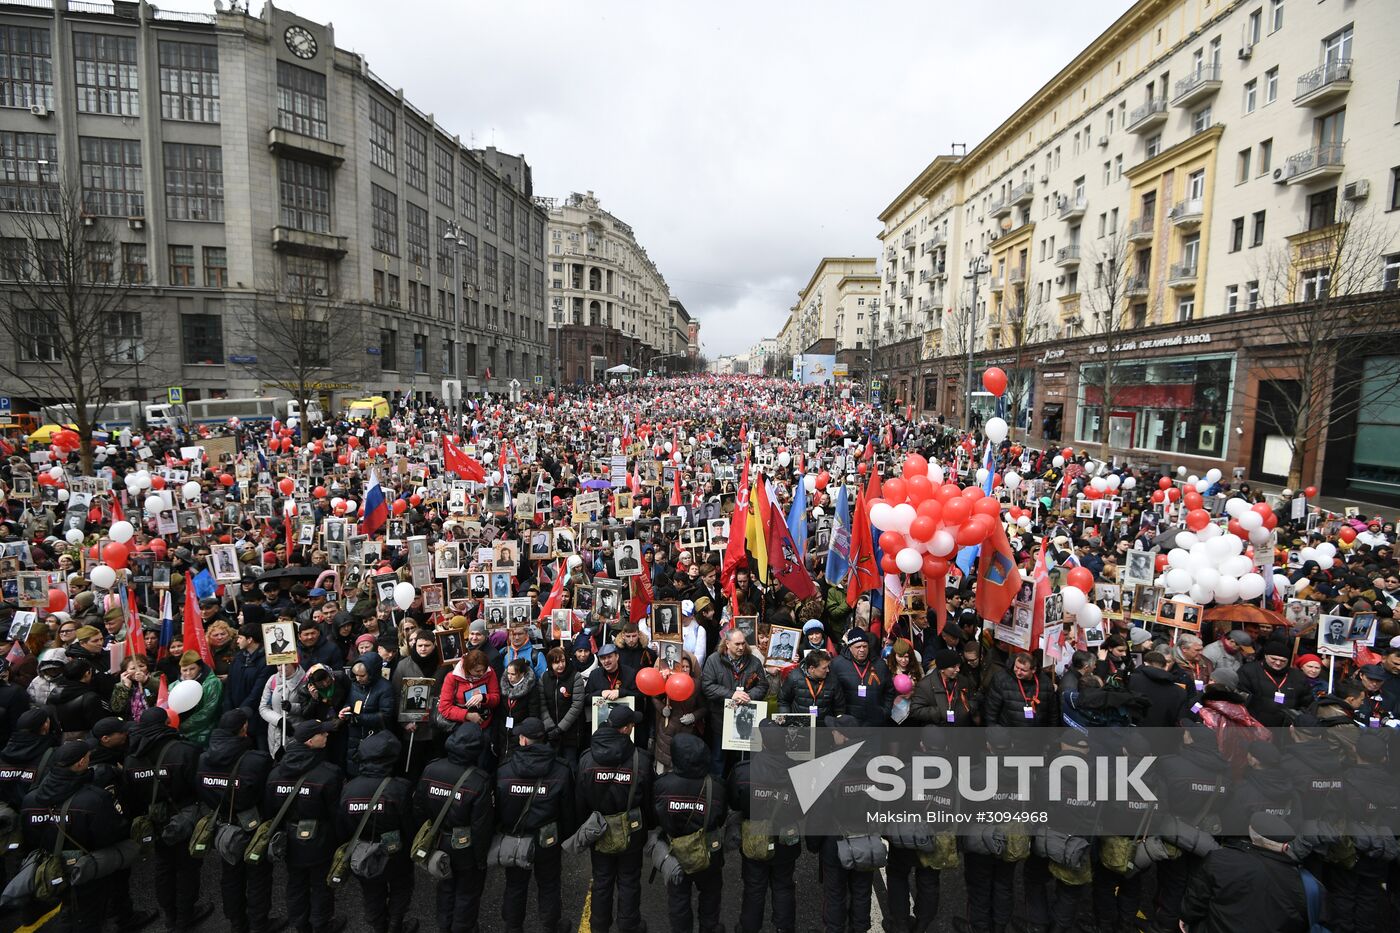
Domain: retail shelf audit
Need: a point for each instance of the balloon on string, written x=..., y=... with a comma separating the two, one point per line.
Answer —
x=996, y=430
x=909, y=560
x=58, y=600
x=404, y=594
x=903, y=684
x=73, y=536
x=651, y=682
x=185, y=696
x=994, y=380
x=102, y=576
x=679, y=687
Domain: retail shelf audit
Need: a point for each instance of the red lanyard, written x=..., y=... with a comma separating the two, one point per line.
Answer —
x=1278, y=684
x=814, y=693
x=613, y=682
x=954, y=693
x=864, y=674
x=1034, y=699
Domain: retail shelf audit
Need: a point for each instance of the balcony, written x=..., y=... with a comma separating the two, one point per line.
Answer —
x=305, y=148
x=1135, y=286
x=997, y=283
x=305, y=243
x=1022, y=193
x=933, y=242
x=1324, y=84
x=1312, y=164
x=925, y=305
x=1073, y=208
x=1187, y=213
x=1182, y=275
x=1067, y=256
x=939, y=271
x=1198, y=85
x=1147, y=117
x=924, y=276
x=907, y=241
x=1016, y=276
x=889, y=253
x=999, y=208
x=904, y=290
x=1142, y=228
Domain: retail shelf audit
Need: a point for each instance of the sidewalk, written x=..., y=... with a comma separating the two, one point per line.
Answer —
x=1338, y=505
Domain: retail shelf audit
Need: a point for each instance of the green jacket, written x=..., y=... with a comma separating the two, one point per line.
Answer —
x=837, y=613
x=200, y=721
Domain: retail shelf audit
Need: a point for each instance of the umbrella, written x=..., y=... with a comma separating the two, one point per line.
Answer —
x=291, y=573
x=596, y=484
x=45, y=434
x=1245, y=612
x=1167, y=539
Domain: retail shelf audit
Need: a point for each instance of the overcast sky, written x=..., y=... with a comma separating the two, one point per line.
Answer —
x=742, y=141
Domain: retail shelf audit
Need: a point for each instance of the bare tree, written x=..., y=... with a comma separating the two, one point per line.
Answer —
x=1327, y=316
x=299, y=337
x=1026, y=322
x=1113, y=303
x=77, y=326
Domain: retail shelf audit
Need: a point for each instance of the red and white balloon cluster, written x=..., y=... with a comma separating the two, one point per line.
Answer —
x=1210, y=564
x=923, y=520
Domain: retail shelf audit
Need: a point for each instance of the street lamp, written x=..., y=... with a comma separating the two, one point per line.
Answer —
x=455, y=238
x=874, y=336
x=976, y=269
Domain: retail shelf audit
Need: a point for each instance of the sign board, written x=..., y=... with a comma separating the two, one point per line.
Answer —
x=175, y=395
x=539, y=380
x=876, y=384
x=4, y=403
x=451, y=390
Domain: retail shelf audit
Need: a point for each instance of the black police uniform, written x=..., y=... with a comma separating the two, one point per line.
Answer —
x=846, y=892
x=680, y=802
x=160, y=764
x=310, y=906
x=1194, y=781
x=922, y=896
x=533, y=769
x=473, y=808
x=388, y=895
x=758, y=781
x=25, y=758
x=229, y=780
x=611, y=772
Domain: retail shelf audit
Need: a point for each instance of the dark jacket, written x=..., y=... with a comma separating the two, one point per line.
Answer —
x=1166, y=695
x=873, y=680
x=472, y=806
x=318, y=801
x=534, y=768
x=610, y=771
x=376, y=713
x=1261, y=684
x=796, y=694
x=393, y=811
x=325, y=651
x=94, y=820
x=929, y=703
x=219, y=787
x=78, y=705
x=679, y=796
x=1194, y=779
x=248, y=673
x=1258, y=789
x=719, y=678
x=519, y=702
x=1006, y=699
x=20, y=764
x=173, y=782
x=599, y=680
x=561, y=706
x=1316, y=768
x=1241, y=887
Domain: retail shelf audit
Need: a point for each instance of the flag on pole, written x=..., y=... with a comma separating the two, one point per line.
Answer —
x=797, y=521
x=783, y=554
x=838, y=550
x=556, y=594
x=376, y=508
x=756, y=528
x=968, y=555
x=193, y=631
x=864, y=568
x=998, y=579
x=458, y=462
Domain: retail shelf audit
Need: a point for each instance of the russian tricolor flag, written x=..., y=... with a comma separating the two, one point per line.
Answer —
x=376, y=509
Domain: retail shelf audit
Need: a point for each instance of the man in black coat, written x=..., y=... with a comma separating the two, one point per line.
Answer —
x=160, y=774
x=615, y=777
x=761, y=788
x=388, y=894
x=811, y=688
x=687, y=799
x=248, y=673
x=1253, y=885
x=26, y=756
x=470, y=818
x=316, y=783
x=534, y=799
x=229, y=780
x=1165, y=694
x=609, y=679
x=865, y=680
x=1193, y=784
x=1274, y=686
x=1019, y=695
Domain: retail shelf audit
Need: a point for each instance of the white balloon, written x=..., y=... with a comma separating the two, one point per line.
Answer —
x=1200, y=594
x=995, y=430
x=1251, y=520
x=1023, y=522
x=1012, y=479
x=143, y=479
x=121, y=532
x=904, y=516
x=676, y=458
x=73, y=536
x=1192, y=480
x=1074, y=599
x=1178, y=580
x=1130, y=482
x=1179, y=558
x=1202, y=486
x=1214, y=475
x=981, y=475
x=817, y=511
x=153, y=504
x=909, y=560
x=1251, y=586
x=882, y=516
x=185, y=696
x=1308, y=553
x=1236, y=507
x=1236, y=566
x=1207, y=577
x=1282, y=584
x=1327, y=549
x=1059, y=461
x=403, y=594
x=190, y=490
x=1090, y=616
x=784, y=458
x=495, y=477
x=1326, y=562
x=1210, y=531
x=102, y=577
x=1181, y=471
x=942, y=543
x=1260, y=536
x=667, y=446
x=1227, y=590
x=1186, y=539
x=935, y=473
x=56, y=472
x=62, y=495
x=1114, y=481
x=809, y=483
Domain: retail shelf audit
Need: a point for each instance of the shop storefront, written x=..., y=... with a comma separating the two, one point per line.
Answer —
x=1179, y=405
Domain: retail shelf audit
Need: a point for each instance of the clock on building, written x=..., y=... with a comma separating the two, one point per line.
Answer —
x=300, y=42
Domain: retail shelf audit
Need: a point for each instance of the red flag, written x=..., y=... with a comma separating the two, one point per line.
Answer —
x=465, y=467
x=135, y=641
x=864, y=575
x=998, y=579
x=556, y=593
x=640, y=604
x=676, y=489
x=936, y=594
x=1041, y=575
x=163, y=694
x=734, y=554
x=193, y=631
x=783, y=558
x=117, y=514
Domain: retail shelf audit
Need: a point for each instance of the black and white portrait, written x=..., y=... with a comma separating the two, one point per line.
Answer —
x=628, y=558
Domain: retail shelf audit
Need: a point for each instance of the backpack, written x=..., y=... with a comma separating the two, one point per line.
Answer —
x=203, y=836
x=425, y=848
x=692, y=851
x=52, y=873
x=356, y=854
x=262, y=836
x=621, y=826
x=144, y=827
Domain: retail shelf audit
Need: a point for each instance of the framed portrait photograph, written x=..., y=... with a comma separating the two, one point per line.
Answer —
x=608, y=599
x=500, y=586
x=749, y=626
x=1182, y=615
x=416, y=699
x=519, y=610
x=784, y=644
x=22, y=485
x=223, y=561
x=666, y=621
x=395, y=530
x=160, y=575
x=496, y=500
x=1302, y=616
x=433, y=598
x=33, y=590
x=458, y=590
x=541, y=544
x=584, y=598
x=1333, y=636
x=799, y=734
x=670, y=653
x=1146, y=598
x=496, y=612
x=1139, y=567
x=561, y=625
x=627, y=556
x=564, y=542
x=384, y=588
x=622, y=503
x=449, y=558
x=280, y=642
x=505, y=556
x=449, y=642
x=1363, y=629
x=337, y=553
x=603, y=708
x=480, y=584
x=740, y=727
x=693, y=539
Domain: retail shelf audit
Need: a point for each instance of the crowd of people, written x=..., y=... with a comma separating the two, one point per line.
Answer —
x=434, y=647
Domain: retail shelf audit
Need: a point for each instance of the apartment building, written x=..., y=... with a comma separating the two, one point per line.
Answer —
x=238, y=158
x=609, y=304
x=1185, y=171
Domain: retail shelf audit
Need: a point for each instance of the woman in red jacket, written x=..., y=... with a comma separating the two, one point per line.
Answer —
x=470, y=692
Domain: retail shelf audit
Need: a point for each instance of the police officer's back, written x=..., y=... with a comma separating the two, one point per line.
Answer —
x=465, y=831
x=28, y=752
x=377, y=808
x=687, y=801
x=313, y=784
x=534, y=798
x=614, y=780
x=229, y=781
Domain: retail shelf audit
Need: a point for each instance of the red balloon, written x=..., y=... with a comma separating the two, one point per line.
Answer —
x=1193, y=499
x=1158, y=495
x=935, y=566
x=1271, y=521
x=1310, y=492
x=892, y=541
x=342, y=460
x=987, y=506
x=931, y=508
x=1091, y=493
x=974, y=531
x=415, y=500
x=400, y=506
x=823, y=478
x=158, y=547
x=947, y=492
x=994, y=381
x=353, y=442
x=1347, y=534
x=956, y=511
x=920, y=529
x=286, y=484
x=226, y=479
x=115, y=554
x=915, y=465
x=1160, y=563
x=319, y=492
x=651, y=682
x=1236, y=529
x=887, y=563
x=1262, y=508
x=1164, y=483
x=1081, y=578
x=58, y=600
x=973, y=493
x=894, y=491
x=45, y=479
x=918, y=488
x=157, y=481
x=861, y=469
x=679, y=687
x=1172, y=494
x=1196, y=519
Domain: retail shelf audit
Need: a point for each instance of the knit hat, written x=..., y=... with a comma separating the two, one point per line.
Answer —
x=813, y=625
x=479, y=627
x=1225, y=677
x=946, y=658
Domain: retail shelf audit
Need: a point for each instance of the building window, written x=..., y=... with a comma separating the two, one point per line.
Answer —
x=445, y=161
x=449, y=357
x=194, y=182
x=469, y=193
x=215, y=267
x=507, y=219
x=203, y=338
x=304, y=191
x=26, y=67
x=415, y=157
x=1154, y=144
x=106, y=74
x=1174, y=405
x=1185, y=308
x=1237, y=234
x=189, y=81
x=416, y=231
x=382, y=146
x=28, y=172
x=1337, y=47
x=182, y=265
x=135, y=270
x=301, y=101
x=384, y=221
x=1275, y=15
x=124, y=344
x=468, y=259
x=488, y=207
x=1322, y=209
x=1251, y=291
x=37, y=344
x=1271, y=85
x=1232, y=299
x=111, y=172
x=1395, y=188
x=420, y=353
x=488, y=262
x=1242, y=166
x=1254, y=30
x=378, y=279
x=1200, y=120
x=389, y=350
x=1257, y=235
x=1266, y=156
x=1251, y=95
x=1390, y=272
x=1316, y=283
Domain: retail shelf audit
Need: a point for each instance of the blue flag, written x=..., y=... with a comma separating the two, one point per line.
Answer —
x=797, y=520
x=968, y=555
x=838, y=553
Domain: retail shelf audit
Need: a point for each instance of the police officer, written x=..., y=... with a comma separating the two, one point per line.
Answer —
x=846, y=892
x=465, y=830
x=93, y=821
x=922, y=895
x=762, y=783
x=615, y=778
x=316, y=783
x=688, y=800
x=388, y=894
x=108, y=741
x=159, y=772
x=23, y=761
x=229, y=780
x=1194, y=781
x=532, y=793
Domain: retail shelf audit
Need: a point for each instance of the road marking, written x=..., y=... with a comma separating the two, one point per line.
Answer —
x=585, y=923
x=40, y=922
x=877, y=916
